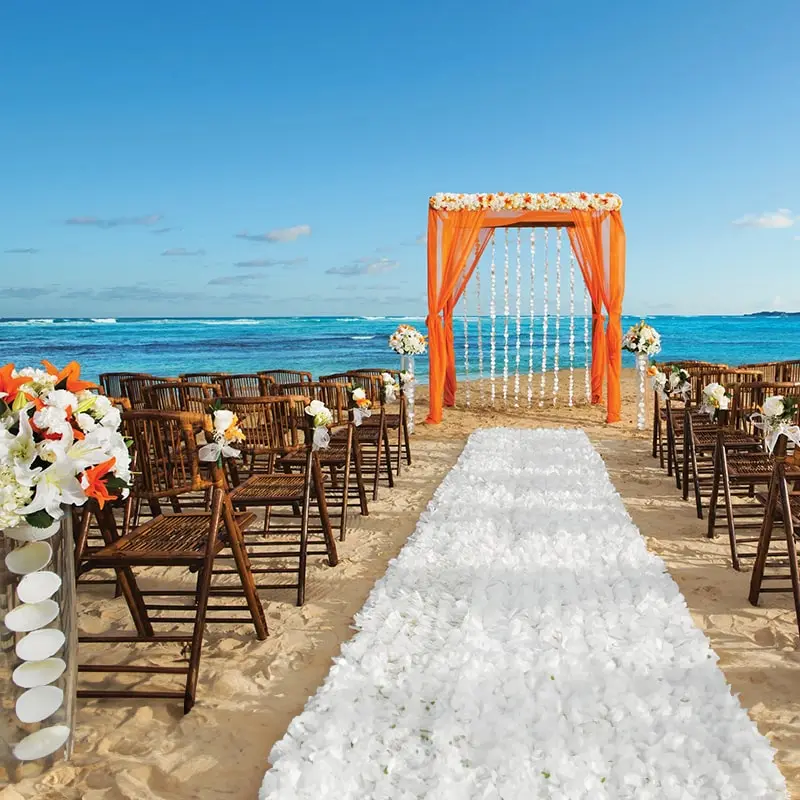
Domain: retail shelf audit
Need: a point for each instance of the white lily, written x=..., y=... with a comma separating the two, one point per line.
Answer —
x=19, y=449
x=52, y=487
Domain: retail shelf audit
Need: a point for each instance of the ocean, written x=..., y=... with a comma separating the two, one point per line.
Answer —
x=333, y=344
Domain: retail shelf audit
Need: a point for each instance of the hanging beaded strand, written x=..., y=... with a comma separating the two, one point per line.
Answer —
x=586, y=344
x=530, y=329
x=571, y=325
x=492, y=326
x=545, y=291
x=556, y=341
x=506, y=310
x=519, y=316
x=466, y=350
x=480, y=331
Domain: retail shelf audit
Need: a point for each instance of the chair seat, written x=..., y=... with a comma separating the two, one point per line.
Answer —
x=392, y=421
x=367, y=434
x=333, y=455
x=758, y=466
x=734, y=438
x=794, y=504
x=169, y=538
x=272, y=488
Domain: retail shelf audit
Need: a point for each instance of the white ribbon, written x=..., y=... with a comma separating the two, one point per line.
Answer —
x=774, y=430
x=322, y=438
x=215, y=450
x=359, y=415
x=389, y=392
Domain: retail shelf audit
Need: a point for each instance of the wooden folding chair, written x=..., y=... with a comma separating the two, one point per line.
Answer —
x=245, y=385
x=133, y=388
x=111, y=382
x=373, y=435
x=168, y=466
x=287, y=376
x=184, y=396
x=270, y=425
x=202, y=377
x=343, y=454
x=782, y=505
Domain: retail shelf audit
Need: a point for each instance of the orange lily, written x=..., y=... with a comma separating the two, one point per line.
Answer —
x=9, y=385
x=96, y=487
x=70, y=374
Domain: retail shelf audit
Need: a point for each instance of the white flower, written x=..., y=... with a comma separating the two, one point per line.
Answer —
x=51, y=419
x=359, y=395
x=223, y=419
x=101, y=405
x=111, y=419
x=42, y=383
x=61, y=398
x=323, y=418
x=316, y=406
x=53, y=486
x=86, y=422
x=773, y=406
x=724, y=403
x=19, y=449
x=13, y=497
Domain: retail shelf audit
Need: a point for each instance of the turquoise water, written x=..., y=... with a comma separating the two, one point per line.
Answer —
x=332, y=344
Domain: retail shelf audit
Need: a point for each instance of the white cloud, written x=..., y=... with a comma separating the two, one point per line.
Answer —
x=277, y=235
x=364, y=266
x=782, y=218
x=182, y=251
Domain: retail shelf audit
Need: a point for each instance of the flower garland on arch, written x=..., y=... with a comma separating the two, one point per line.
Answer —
x=527, y=201
x=60, y=446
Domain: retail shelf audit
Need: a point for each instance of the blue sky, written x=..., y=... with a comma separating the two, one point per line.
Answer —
x=262, y=158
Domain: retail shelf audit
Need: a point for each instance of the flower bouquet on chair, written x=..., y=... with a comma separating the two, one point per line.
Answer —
x=778, y=417
x=60, y=445
x=360, y=404
x=675, y=385
x=716, y=398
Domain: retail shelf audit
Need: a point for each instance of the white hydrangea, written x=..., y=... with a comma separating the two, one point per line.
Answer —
x=13, y=497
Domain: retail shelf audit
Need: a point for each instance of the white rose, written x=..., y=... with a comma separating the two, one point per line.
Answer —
x=222, y=420
x=773, y=406
x=61, y=398
x=112, y=419
x=86, y=422
x=359, y=394
x=102, y=405
x=315, y=407
x=50, y=418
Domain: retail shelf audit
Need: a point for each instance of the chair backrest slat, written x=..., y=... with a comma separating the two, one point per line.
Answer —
x=279, y=376
x=111, y=382
x=183, y=396
x=371, y=384
x=244, y=385
x=269, y=424
x=134, y=388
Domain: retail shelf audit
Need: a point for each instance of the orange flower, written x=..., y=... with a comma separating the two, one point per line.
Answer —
x=70, y=376
x=9, y=385
x=93, y=484
x=652, y=370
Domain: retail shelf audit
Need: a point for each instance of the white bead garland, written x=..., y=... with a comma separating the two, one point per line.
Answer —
x=545, y=290
x=493, y=327
x=480, y=331
x=506, y=310
x=519, y=316
x=586, y=345
x=530, y=331
x=571, y=325
x=557, y=337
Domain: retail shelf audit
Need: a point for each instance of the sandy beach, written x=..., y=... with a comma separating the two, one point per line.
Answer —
x=249, y=690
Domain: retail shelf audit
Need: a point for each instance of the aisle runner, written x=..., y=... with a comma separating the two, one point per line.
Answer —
x=524, y=645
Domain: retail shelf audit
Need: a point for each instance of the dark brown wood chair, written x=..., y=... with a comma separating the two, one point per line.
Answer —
x=202, y=377
x=373, y=435
x=776, y=563
x=245, y=385
x=271, y=427
x=342, y=456
x=739, y=472
x=288, y=376
x=183, y=396
x=168, y=466
x=134, y=387
x=111, y=382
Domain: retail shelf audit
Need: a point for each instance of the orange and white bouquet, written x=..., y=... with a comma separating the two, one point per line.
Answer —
x=226, y=432
x=60, y=445
x=360, y=404
x=407, y=341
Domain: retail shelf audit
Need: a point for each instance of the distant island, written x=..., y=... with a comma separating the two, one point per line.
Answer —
x=774, y=314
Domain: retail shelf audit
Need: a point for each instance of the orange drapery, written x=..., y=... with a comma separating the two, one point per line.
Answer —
x=457, y=239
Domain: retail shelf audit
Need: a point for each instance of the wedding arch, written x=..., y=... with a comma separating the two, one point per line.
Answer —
x=462, y=226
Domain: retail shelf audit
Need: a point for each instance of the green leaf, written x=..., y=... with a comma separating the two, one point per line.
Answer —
x=62, y=384
x=3, y=407
x=116, y=483
x=39, y=519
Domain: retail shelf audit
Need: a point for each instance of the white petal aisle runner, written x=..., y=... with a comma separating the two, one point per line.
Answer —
x=523, y=645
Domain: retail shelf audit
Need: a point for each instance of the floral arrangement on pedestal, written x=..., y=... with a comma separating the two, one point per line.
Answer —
x=778, y=417
x=321, y=420
x=716, y=398
x=60, y=445
x=407, y=341
x=642, y=340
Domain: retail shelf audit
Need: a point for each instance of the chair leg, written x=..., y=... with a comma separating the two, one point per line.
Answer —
x=362, y=491
x=407, y=440
x=346, y=487
x=698, y=498
x=399, y=447
x=377, y=476
x=712, y=507
x=245, y=574
x=322, y=506
x=301, y=568
x=82, y=537
x=388, y=449
x=764, y=539
x=197, y=638
x=788, y=527
x=726, y=489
